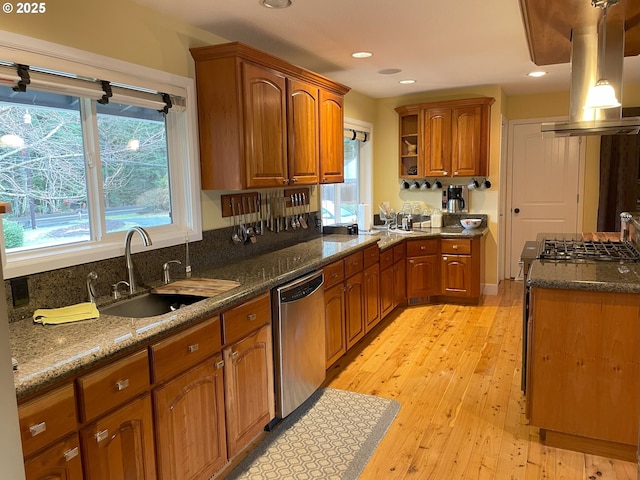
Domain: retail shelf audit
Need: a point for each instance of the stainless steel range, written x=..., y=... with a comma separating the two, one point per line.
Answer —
x=588, y=250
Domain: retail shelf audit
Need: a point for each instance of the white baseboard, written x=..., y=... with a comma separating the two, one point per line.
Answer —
x=489, y=288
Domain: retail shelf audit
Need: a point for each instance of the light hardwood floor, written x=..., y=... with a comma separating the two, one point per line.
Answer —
x=456, y=372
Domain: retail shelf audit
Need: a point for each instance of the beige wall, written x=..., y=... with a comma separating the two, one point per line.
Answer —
x=120, y=29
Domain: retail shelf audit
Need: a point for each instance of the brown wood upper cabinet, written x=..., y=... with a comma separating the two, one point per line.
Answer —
x=265, y=123
x=445, y=139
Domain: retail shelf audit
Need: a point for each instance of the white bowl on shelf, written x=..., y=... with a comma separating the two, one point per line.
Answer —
x=470, y=222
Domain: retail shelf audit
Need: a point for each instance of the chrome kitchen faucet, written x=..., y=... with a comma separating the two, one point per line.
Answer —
x=146, y=239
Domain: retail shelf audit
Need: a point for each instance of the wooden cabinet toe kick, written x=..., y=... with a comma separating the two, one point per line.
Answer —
x=587, y=445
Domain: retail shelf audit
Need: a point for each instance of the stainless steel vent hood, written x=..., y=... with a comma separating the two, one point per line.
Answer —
x=584, y=74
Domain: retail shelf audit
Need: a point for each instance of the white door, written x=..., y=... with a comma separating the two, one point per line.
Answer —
x=544, y=187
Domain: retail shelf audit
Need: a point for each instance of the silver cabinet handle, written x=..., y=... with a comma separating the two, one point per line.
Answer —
x=219, y=364
x=193, y=348
x=444, y=258
x=100, y=436
x=455, y=247
x=422, y=247
x=37, y=429
x=251, y=317
x=234, y=355
x=122, y=384
x=71, y=453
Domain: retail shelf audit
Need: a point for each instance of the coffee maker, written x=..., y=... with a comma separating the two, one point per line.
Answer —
x=455, y=199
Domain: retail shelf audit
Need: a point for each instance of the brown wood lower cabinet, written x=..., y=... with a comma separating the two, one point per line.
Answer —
x=583, y=371
x=61, y=461
x=334, y=311
x=249, y=388
x=190, y=423
x=371, y=295
x=354, y=310
x=423, y=273
x=120, y=445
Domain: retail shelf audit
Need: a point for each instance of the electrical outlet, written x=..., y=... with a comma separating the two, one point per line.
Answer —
x=20, y=291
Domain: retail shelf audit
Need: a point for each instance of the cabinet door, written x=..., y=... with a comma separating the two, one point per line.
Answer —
x=120, y=445
x=386, y=291
x=265, y=122
x=331, y=137
x=334, y=314
x=423, y=279
x=354, y=311
x=371, y=295
x=456, y=275
x=58, y=462
x=190, y=424
x=249, y=388
x=303, y=132
x=400, y=283
x=466, y=132
x=437, y=142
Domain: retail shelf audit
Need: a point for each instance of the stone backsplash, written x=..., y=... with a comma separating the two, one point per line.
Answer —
x=67, y=286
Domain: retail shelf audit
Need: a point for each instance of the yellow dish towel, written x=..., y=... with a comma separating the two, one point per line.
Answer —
x=72, y=313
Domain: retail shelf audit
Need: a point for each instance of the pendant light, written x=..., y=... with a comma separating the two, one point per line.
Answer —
x=602, y=94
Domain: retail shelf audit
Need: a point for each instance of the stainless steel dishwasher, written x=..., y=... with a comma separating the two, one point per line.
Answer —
x=299, y=336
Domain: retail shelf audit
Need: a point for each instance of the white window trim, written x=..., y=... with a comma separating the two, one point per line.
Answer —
x=184, y=169
x=366, y=159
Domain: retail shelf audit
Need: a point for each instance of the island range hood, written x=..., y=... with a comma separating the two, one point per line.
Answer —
x=585, y=45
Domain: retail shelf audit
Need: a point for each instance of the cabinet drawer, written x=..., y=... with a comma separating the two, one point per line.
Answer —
x=184, y=350
x=61, y=459
x=244, y=319
x=418, y=248
x=333, y=273
x=353, y=263
x=386, y=259
x=114, y=384
x=398, y=252
x=47, y=418
x=457, y=246
x=371, y=255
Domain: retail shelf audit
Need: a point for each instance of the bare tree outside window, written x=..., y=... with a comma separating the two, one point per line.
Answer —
x=43, y=168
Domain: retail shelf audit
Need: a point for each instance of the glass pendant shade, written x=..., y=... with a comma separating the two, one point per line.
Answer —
x=602, y=95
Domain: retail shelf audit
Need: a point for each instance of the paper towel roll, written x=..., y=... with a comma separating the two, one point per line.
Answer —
x=364, y=217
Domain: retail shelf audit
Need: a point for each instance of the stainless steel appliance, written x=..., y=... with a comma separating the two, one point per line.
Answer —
x=528, y=255
x=299, y=338
x=567, y=250
x=455, y=198
x=594, y=250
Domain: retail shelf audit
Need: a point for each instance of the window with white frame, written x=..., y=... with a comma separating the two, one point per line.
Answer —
x=339, y=202
x=84, y=159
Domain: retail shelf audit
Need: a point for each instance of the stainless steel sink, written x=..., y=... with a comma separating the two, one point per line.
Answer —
x=149, y=305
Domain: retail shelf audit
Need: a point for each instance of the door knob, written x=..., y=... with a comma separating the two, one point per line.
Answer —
x=516, y=210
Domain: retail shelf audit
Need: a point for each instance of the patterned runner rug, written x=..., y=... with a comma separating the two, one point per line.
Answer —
x=330, y=436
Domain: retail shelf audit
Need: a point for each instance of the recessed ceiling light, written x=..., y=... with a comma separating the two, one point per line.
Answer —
x=362, y=54
x=275, y=3
x=407, y=82
x=389, y=71
x=536, y=74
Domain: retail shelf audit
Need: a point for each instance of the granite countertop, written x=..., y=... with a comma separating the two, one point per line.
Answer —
x=583, y=274
x=48, y=354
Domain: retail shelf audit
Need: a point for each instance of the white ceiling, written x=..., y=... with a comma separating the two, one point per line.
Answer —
x=440, y=44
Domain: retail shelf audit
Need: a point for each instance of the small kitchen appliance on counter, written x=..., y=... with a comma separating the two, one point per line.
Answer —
x=455, y=199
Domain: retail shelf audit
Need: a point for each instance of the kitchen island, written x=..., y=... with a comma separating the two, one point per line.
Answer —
x=583, y=375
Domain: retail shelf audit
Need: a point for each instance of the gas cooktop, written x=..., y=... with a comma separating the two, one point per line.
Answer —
x=571, y=250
